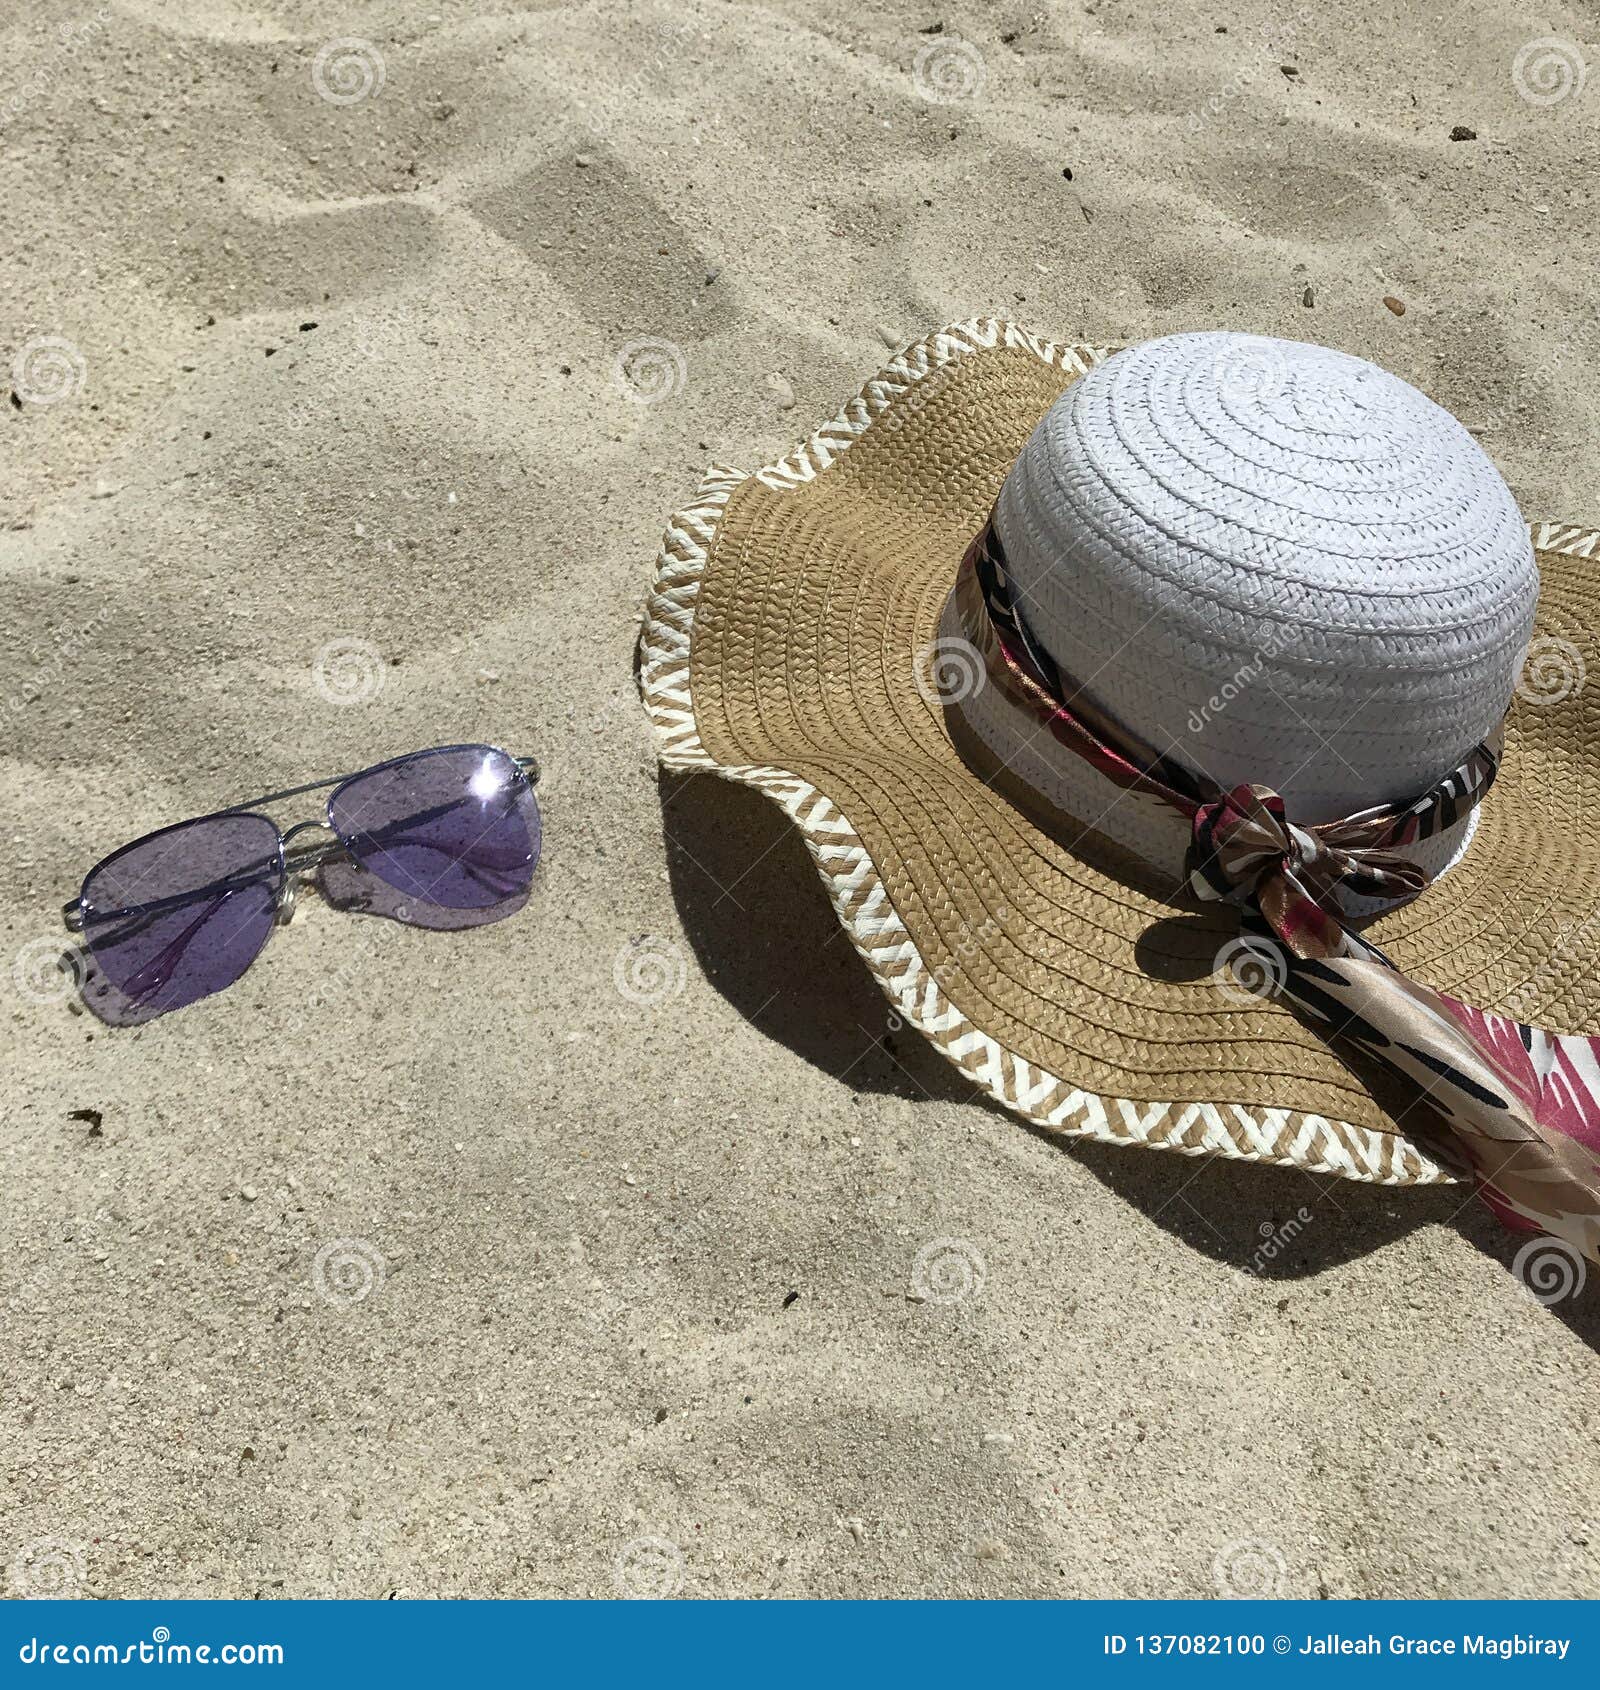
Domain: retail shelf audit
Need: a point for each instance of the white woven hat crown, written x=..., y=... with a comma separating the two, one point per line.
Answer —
x=1276, y=563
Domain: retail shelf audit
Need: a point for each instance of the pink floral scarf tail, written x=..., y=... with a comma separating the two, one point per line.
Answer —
x=1523, y=1104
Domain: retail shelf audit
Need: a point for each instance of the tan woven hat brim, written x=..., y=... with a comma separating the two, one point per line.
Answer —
x=780, y=649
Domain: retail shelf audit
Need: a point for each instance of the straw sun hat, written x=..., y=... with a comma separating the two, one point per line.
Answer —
x=1193, y=741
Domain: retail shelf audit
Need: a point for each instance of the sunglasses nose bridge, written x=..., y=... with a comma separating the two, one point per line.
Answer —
x=297, y=863
x=283, y=910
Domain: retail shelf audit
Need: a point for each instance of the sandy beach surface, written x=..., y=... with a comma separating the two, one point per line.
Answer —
x=579, y=1253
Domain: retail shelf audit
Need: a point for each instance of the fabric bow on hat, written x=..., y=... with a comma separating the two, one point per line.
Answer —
x=1246, y=850
x=1523, y=1104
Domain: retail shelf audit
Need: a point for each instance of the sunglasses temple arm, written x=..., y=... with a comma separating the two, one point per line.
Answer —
x=73, y=914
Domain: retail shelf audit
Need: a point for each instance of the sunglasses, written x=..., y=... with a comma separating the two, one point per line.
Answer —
x=441, y=838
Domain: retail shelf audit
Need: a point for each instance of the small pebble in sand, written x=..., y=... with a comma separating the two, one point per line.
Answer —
x=998, y=1440
x=782, y=390
x=1307, y=300
x=857, y=1530
x=1398, y=306
x=1462, y=133
x=248, y=1193
x=888, y=337
x=583, y=161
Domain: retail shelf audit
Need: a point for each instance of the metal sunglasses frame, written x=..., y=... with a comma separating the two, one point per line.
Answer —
x=290, y=865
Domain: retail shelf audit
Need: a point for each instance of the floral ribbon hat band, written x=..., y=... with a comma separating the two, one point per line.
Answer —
x=1193, y=741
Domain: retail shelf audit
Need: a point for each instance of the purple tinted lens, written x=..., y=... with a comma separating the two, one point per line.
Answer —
x=457, y=828
x=182, y=913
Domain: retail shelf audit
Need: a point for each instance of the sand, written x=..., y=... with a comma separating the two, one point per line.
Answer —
x=618, y=1203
